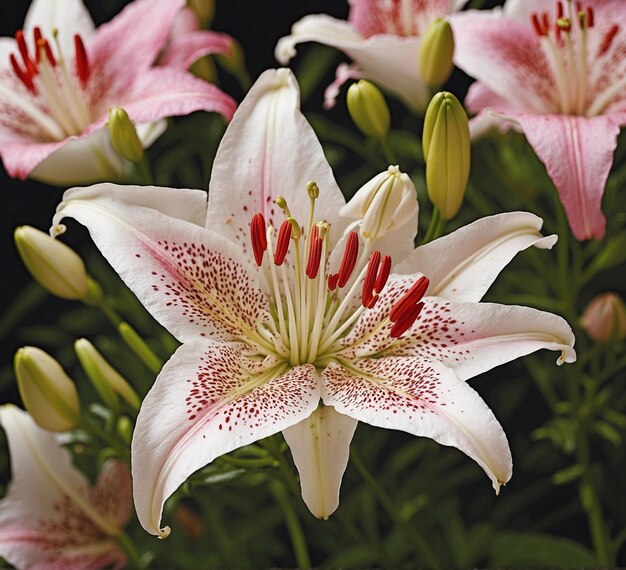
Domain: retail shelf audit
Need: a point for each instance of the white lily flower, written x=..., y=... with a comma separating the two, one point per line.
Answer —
x=277, y=310
x=50, y=518
x=383, y=39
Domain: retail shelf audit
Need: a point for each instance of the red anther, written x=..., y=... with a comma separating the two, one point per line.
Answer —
x=372, y=302
x=590, y=20
x=43, y=44
x=367, y=290
x=21, y=44
x=406, y=320
x=557, y=32
x=332, y=281
x=36, y=37
x=560, y=12
x=383, y=274
x=23, y=76
x=258, y=237
x=608, y=40
x=536, y=24
x=412, y=296
x=282, y=243
x=348, y=261
x=315, y=254
x=579, y=6
x=82, y=63
x=545, y=23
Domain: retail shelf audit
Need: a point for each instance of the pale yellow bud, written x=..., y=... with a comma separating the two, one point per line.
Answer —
x=54, y=265
x=368, y=109
x=47, y=391
x=383, y=204
x=604, y=318
x=124, y=137
x=437, y=52
x=446, y=145
x=108, y=382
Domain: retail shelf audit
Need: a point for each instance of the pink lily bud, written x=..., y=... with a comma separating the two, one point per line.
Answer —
x=604, y=318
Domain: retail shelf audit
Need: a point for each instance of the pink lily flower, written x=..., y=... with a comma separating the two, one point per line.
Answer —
x=275, y=316
x=59, y=77
x=50, y=518
x=382, y=37
x=556, y=70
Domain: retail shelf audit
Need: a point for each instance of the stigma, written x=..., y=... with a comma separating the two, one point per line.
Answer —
x=317, y=294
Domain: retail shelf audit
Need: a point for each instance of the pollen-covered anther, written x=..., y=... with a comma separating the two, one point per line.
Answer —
x=332, y=280
x=410, y=298
x=348, y=261
x=405, y=320
x=282, y=242
x=258, y=237
x=315, y=253
x=368, y=299
x=82, y=62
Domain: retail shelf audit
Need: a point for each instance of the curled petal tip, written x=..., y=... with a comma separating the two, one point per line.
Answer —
x=164, y=532
x=567, y=355
x=57, y=230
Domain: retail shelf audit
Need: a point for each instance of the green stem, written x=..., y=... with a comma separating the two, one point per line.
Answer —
x=134, y=559
x=140, y=348
x=421, y=547
x=144, y=173
x=434, y=226
x=296, y=534
x=591, y=505
x=249, y=463
x=390, y=155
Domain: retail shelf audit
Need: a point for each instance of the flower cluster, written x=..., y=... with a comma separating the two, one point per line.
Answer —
x=296, y=312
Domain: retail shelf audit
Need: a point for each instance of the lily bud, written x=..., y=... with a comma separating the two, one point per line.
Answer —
x=604, y=318
x=54, y=265
x=368, y=109
x=106, y=380
x=47, y=391
x=204, y=10
x=384, y=203
x=124, y=135
x=446, y=144
x=437, y=52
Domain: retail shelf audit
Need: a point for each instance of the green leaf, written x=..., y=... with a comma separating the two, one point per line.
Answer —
x=528, y=549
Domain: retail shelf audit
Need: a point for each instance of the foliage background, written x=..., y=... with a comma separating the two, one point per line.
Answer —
x=418, y=491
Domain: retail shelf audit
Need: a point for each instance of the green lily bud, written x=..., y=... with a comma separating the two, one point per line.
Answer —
x=437, y=52
x=124, y=135
x=106, y=380
x=368, y=109
x=47, y=391
x=604, y=318
x=446, y=144
x=54, y=265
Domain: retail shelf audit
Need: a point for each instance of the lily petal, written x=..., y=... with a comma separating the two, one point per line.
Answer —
x=184, y=50
x=469, y=337
x=191, y=279
x=464, y=264
x=425, y=399
x=69, y=17
x=320, y=445
x=47, y=518
x=268, y=150
x=112, y=495
x=206, y=402
x=126, y=46
x=506, y=56
x=165, y=92
x=380, y=58
x=578, y=154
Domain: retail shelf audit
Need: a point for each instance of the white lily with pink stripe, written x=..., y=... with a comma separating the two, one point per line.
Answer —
x=383, y=39
x=50, y=518
x=60, y=76
x=292, y=322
